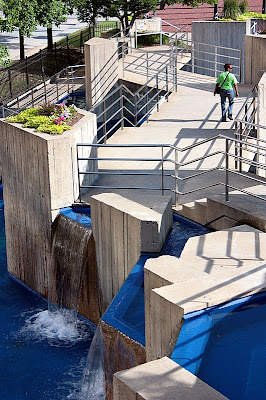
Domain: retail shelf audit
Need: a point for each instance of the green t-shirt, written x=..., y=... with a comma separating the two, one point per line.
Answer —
x=230, y=81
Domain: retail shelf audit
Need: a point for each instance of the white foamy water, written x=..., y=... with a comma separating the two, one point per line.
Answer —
x=58, y=327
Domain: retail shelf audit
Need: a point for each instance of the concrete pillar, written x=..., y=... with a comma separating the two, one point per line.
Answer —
x=40, y=177
x=101, y=69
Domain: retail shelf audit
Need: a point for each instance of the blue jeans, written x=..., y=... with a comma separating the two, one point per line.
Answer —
x=230, y=95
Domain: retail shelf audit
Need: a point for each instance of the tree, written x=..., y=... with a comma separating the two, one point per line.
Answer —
x=87, y=10
x=4, y=56
x=125, y=10
x=18, y=14
x=51, y=12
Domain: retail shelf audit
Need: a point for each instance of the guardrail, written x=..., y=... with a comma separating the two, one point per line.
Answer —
x=50, y=90
x=163, y=173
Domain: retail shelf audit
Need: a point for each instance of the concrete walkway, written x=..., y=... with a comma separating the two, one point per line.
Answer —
x=191, y=115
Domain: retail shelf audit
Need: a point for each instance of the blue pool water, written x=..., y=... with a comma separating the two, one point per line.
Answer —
x=225, y=346
x=34, y=365
x=126, y=312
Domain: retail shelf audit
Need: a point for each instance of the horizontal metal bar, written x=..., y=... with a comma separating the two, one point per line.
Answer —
x=124, y=187
x=109, y=172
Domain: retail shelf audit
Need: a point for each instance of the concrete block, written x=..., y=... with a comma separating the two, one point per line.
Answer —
x=122, y=229
x=161, y=379
x=159, y=272
x=101, y=68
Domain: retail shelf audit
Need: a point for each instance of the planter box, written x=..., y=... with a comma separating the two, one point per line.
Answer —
x=40, y=177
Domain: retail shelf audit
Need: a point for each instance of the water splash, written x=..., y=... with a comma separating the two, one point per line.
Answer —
x=59, y=327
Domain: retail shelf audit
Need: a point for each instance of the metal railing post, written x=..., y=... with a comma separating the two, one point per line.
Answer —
x=135, y=112
x=166, y=80
x=215, y=62
x=104, y=123
x=162, y=177
x=123, y=61
x=78, y=174
x=176, y=177
x=226, y=170
x=146, y=100
x=236, y=145
x=121, y=108
x=72, y=72
x=10, y=82
x=157, y=90
x=240, y=146
x=68, y=53
x=192, y=58
x=27, y=71
x=147, y=64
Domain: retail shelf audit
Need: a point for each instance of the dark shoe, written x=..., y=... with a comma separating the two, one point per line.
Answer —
x=223, y=120
x=230, y=117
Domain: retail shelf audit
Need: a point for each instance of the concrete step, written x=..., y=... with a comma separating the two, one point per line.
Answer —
x=196, y=211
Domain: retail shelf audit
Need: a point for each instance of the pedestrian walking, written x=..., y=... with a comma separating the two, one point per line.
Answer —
x=226, y=86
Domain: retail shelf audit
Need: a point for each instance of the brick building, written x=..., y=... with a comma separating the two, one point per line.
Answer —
x=179, y=15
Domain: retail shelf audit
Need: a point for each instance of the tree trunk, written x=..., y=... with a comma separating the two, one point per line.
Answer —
x=21, y=46
x=50, y=38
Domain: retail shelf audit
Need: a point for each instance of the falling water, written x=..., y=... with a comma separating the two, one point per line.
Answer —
x=92, y=386
x=69, y=261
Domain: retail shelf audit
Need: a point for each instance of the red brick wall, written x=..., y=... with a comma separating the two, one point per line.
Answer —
x=179, y=15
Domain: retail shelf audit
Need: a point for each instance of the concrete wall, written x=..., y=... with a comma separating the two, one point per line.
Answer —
x=38, y=173
x=122, y=228
x=255, y=58
x=119, y=352
x=101, y=68
x=222, y=33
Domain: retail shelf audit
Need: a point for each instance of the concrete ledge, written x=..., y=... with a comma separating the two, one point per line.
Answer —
x=161, y=379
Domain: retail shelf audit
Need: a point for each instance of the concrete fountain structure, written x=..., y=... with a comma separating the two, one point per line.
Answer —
x=44, y=180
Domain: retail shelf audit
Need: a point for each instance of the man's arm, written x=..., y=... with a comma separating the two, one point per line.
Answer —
x=236, y=89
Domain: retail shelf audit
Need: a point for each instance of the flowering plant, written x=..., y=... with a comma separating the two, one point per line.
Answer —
x=48, y=118
x=61, y=113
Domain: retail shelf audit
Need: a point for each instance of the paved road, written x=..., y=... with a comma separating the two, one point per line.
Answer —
x=38, y=39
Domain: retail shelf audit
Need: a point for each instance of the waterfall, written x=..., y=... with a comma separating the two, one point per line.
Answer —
x=72, y=286
x=73, y=279
x=69, y=260
x=93, y=382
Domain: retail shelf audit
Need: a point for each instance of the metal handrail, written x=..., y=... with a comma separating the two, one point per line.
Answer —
x=177, y=165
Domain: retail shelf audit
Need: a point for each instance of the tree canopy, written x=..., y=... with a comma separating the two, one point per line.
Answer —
x=126, y=11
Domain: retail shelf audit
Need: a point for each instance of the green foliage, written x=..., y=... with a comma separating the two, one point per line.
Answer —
x=48, y=118
x=34, y=122
x=52, y=11
x=150, y=40
x=244, y=17
x=243, y=6
x=4, y=56
x=19, y=14
x=52, y=129
x=24, y=115
x=231, y=9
